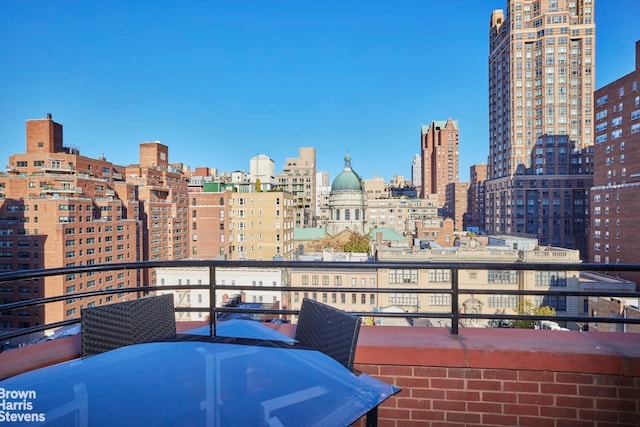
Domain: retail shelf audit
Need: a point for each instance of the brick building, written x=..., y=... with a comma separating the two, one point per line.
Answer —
x=615, y=195
x=439, y=144
x=541, y=77
x=60, y=209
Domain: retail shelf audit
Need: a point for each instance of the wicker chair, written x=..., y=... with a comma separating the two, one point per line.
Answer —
x=329, y=330
x=111, y=326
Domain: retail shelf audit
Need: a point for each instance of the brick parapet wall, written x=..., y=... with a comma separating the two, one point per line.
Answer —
x=504, y=377
x=481, y=377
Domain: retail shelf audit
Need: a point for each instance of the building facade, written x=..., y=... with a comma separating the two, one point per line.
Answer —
x=299, y=178
x=474, y=251
x=541, y=77
x=61, y=209
x=476, y=197
x=258, y=279
x=615, y=195
x=416, y=171
x=439, y=144
x=261, y=225
x=347, y=202
x=209, y=220
x=456, y=204
x=162, y=194
x=262, y=172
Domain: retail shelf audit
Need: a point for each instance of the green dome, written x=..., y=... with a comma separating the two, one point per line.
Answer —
x=347, y=180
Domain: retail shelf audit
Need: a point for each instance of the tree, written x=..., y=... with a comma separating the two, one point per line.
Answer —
x=258, y=186
x=525, y=306
x=357, y=243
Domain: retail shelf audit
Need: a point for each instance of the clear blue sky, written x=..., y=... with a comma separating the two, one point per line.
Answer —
x=222, y=81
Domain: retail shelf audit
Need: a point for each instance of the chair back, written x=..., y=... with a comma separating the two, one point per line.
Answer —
x=111, y=326
x=329, y=330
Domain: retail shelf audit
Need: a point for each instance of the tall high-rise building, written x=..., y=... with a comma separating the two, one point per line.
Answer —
x=299, y=178
x=615, y=195
x=541, y=76
x=440, y=157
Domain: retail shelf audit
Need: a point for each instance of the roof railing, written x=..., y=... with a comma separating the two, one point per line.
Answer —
x=454, y=316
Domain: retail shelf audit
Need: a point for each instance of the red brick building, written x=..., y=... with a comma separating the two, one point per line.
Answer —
x=439, y=144
x=60, y=209
x=615, y=195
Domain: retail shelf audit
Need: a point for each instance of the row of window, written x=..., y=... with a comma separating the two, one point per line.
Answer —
x=334, y=297
x=337, y=280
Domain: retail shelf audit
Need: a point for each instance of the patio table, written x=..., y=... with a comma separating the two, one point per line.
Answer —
x=249, y=375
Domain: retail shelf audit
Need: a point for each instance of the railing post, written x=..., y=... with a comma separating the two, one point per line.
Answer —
x=455, y=317
x=212, y=301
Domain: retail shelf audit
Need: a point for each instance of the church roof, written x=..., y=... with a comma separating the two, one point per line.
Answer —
x=347, y=180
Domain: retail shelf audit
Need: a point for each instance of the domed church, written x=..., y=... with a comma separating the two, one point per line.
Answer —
x=347, y=202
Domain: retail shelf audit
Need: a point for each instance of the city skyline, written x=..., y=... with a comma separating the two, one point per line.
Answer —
x=209, y=79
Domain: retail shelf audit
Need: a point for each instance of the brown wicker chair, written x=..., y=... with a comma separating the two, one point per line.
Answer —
x=329, y=330
x=111, y=326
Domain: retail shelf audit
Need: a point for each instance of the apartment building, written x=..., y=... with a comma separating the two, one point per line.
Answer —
x=440, y=153
x=615, y=195
x=208, y=217
x=164, y=209
x=476, y=196
x=299, y=178
x=456, y=203
x=541, y=77
x=323, y=190
x=261, y=225
x=257, y=279
x=550, y=206
x=60, y=209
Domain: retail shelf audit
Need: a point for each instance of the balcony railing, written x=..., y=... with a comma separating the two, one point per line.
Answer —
x=454, y=316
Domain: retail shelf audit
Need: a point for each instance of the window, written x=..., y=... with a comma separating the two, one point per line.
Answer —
x=439, y=275
x=551, y=278
x=403, y=276
x=410, y=300
x=439, y=299
x=500, y=276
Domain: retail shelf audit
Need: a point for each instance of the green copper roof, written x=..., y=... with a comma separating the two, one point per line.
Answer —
x=439, y=124
x=347, y=180
x=388, y=235
x=304, y=234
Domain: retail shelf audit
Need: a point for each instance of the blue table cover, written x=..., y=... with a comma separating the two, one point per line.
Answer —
x=195, y=383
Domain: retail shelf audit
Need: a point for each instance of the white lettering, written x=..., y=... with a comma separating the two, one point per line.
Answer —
x=17, y=394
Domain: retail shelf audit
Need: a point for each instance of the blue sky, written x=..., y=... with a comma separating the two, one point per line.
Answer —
x=222, y=81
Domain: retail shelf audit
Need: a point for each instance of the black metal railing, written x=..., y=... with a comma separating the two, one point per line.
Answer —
x=454, y=315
